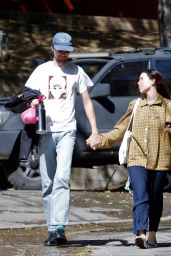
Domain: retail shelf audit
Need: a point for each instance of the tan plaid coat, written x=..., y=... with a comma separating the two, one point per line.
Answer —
x=150, y=145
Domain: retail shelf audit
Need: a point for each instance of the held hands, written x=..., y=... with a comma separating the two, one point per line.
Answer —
x=94, y=141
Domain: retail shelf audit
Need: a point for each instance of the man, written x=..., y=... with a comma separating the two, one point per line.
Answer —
x=59, y=80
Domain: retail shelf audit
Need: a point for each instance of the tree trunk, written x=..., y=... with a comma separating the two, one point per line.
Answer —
x=164, y=22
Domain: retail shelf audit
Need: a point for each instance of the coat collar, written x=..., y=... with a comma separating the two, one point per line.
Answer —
x=158, y=101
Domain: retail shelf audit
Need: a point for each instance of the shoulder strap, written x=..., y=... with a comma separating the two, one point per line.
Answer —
x=133, y=112
x=136, y=106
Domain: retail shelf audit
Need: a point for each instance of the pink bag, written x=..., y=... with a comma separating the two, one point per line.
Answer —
x=29, y=116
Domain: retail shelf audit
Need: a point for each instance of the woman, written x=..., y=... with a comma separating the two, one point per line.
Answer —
x=149, y=153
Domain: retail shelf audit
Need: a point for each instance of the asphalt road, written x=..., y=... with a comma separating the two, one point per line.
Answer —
x=100, y=225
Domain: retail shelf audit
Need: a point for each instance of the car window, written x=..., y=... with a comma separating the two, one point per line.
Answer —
x=123, y=78
x=91, y=67
x=164, y=67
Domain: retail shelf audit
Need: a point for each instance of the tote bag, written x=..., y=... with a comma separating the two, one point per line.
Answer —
x=124, y=147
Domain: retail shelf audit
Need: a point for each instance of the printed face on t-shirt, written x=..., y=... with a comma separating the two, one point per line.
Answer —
x=58, y=87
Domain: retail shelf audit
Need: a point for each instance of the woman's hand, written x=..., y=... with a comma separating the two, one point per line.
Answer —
x=94, y=141
x=167, y=127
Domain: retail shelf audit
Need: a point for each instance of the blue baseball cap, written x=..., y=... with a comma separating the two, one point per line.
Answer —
x=62, y=42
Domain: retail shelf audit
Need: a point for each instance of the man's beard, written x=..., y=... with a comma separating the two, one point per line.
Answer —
x=61, y=60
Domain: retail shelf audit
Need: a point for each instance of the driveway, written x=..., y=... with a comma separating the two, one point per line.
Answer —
x=100, y=224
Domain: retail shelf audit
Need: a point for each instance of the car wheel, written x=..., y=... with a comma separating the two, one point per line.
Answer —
x=20, y=180
x=27, y=175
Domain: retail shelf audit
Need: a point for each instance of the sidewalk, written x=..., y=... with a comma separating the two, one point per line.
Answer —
x=100, y=225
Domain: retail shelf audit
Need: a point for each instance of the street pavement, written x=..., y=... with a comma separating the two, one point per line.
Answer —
x=100, y=225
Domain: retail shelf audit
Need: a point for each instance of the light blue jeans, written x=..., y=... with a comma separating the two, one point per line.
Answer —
x=56, y=150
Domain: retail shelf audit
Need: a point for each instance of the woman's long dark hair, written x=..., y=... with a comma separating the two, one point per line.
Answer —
x=161, y=86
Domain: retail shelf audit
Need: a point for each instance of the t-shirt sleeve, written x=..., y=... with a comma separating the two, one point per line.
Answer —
x=33, y=81
x=84, y=82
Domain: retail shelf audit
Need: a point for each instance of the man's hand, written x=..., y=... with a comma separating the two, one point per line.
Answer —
x=34, y=103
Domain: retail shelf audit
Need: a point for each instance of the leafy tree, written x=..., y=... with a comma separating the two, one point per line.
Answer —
x=164, y=22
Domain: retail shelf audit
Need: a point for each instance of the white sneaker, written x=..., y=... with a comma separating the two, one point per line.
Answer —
x=140, y=241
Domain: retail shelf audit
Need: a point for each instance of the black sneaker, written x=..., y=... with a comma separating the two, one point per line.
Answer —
x=56, y=238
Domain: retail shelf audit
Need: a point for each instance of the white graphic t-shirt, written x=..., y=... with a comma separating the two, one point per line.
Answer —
x=59, y=85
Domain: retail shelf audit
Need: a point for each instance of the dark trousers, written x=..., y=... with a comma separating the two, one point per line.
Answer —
x=147, y=187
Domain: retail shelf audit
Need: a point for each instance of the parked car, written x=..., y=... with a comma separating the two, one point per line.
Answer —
x=114, y=87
